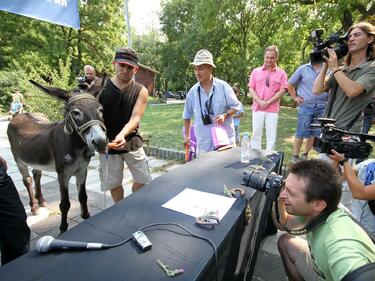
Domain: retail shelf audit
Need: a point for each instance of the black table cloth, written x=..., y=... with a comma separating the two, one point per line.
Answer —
x=170, y=244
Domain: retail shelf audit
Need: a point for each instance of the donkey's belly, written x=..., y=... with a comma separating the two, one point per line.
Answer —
x=31, y=141
x=50, y=167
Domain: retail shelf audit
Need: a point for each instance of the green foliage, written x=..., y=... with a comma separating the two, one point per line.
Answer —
x=35, y=100
x=102, y=31
x=237, y=31
x=167, y=131
x=148, y=49
x=55, y=55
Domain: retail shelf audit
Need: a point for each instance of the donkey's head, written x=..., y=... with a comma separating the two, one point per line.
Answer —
x=83, y=116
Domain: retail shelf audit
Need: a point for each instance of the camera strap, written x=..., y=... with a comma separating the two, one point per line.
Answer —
x=207, y=103
x=310, y=226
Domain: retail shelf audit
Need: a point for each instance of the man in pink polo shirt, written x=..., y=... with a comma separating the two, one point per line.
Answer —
x=267, y=84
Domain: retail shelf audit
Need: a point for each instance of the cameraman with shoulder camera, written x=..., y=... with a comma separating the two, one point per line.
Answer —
x=336, y=245
x=352, y=86
x=88, y=79
x=90, y=74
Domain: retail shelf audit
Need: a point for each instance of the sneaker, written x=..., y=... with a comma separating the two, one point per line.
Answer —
x=304, y=156
x=295, y=159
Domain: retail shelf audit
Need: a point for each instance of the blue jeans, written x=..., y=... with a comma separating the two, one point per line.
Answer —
x=367, y=123
x=307, y=116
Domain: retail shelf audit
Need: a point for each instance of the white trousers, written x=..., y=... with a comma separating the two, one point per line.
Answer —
x=259, y=118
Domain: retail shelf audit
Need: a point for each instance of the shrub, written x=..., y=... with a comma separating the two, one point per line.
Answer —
x=35, y=100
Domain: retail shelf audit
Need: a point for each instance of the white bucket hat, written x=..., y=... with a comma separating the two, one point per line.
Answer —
x=203, y=57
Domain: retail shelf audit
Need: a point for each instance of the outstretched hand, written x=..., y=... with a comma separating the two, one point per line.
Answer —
x=119, y=141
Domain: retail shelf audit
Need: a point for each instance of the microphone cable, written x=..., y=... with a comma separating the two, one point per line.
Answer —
x=184, y=228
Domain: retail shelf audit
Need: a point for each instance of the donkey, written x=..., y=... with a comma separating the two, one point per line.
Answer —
x=65, y=147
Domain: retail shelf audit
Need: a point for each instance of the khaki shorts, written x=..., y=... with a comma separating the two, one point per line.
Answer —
x=304, y=263
x=111, y=171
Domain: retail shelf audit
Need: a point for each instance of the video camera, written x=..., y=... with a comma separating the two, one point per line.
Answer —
x=353, y=145
x=335, y=41
x=270, y=184
x=83, y=82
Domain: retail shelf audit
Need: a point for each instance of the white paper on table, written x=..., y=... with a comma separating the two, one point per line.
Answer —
x=197, y=203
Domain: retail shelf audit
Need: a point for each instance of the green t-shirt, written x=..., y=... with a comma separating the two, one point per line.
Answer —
x=339, y=246
x=345, y=109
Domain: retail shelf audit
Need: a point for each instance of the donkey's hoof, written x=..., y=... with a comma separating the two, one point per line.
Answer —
x=63, y=228
x=35, y=210
x=85, y=216
x=43, y=204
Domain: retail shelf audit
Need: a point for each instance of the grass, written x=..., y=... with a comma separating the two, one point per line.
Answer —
x=164, y=125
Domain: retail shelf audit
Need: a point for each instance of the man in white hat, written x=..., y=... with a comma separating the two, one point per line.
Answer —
x=210, y=101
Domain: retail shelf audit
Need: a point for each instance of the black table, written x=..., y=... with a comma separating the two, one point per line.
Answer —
x=237, y=244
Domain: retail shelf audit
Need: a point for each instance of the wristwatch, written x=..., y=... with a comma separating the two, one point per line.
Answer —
x=341, y=162
x=226, y=115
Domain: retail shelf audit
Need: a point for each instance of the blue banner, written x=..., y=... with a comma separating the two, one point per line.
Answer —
x=62, y=12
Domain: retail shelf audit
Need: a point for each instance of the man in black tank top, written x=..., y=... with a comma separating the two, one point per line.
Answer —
x=124, y=102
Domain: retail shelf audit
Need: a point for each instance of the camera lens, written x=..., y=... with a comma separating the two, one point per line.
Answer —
x=255, y=180
x=341, y=50
x=316, y=57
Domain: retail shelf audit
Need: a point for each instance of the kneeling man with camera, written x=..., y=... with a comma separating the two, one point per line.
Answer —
x=337, y=247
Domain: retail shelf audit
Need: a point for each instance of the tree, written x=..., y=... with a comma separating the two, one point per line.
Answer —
x=348, y=11
x=102, y=30
x=238, y=31
x=44, y=51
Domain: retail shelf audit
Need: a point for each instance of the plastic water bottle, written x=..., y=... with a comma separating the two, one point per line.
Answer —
x=245, y=148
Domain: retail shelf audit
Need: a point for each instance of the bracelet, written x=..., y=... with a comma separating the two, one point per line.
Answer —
x=336, y=71
x=226, y=115
x=341, y=162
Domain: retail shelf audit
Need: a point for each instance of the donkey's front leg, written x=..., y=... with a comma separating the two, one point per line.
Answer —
x=82, y=194
x=64, y=200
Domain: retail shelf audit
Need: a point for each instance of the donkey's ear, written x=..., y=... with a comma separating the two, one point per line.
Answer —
x=55, y=92
x=97, y=85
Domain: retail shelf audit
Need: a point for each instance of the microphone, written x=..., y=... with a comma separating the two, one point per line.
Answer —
x=48, y=243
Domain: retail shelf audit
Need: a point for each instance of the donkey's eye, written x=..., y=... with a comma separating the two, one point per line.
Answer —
x=76, y=113
x=100, y=112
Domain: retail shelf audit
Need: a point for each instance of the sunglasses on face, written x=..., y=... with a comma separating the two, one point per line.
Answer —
x=268, y=80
